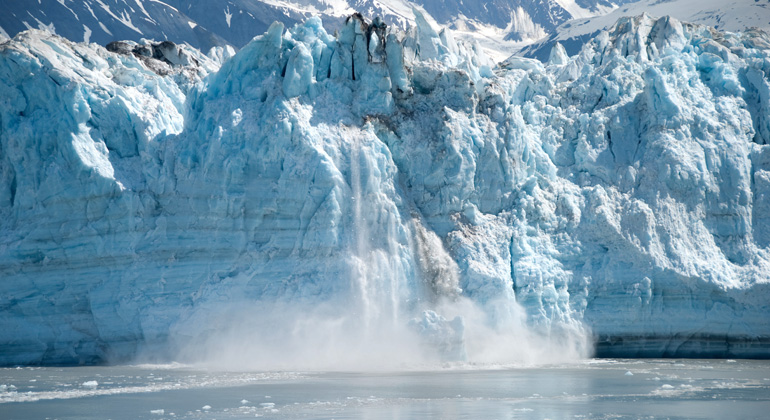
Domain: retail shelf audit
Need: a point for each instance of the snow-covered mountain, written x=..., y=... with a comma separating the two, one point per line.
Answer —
x=523, y=27
x=733, y=16
x=104, y=21
x=381, y=194
x=206, y=23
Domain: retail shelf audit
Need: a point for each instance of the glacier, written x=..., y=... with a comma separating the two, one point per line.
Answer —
x=381, y=193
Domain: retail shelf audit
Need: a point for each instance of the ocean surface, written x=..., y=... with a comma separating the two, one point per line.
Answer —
x=590, y=389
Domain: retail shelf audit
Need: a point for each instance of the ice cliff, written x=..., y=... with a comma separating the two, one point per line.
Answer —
x=151, y=197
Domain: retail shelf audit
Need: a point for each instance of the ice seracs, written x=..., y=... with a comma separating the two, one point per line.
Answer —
x=558, y=55
x=388, y=187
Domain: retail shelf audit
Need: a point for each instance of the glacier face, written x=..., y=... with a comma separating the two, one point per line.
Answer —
x=384, y=183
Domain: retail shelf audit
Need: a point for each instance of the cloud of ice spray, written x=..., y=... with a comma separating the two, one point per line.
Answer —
x=291, y=336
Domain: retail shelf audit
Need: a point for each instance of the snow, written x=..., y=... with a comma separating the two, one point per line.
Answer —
x=380, y=198
x=228, y=16
x=576, y=11
x=143, y=9
x=523, y=26
x=70, y=10
x=104, y=28
x=733, y=16
x=43, y=27
x=86, y=34
x=124, y=18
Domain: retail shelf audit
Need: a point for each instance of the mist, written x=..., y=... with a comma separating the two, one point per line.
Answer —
x=456, y=333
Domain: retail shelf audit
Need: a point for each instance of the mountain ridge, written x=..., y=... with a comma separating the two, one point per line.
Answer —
x=206, y=24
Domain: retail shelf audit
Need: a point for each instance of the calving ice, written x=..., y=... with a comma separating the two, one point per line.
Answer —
x=381, y=198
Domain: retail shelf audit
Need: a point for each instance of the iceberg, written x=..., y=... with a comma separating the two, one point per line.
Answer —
x=377, y=192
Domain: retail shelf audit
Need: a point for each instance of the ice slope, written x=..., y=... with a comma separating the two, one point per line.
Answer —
x=381, y=185
x=734, y=16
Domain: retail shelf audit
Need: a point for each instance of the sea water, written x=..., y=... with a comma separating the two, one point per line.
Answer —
x=598, y=388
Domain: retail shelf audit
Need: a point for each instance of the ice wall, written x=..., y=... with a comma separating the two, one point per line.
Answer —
x=394, y=177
